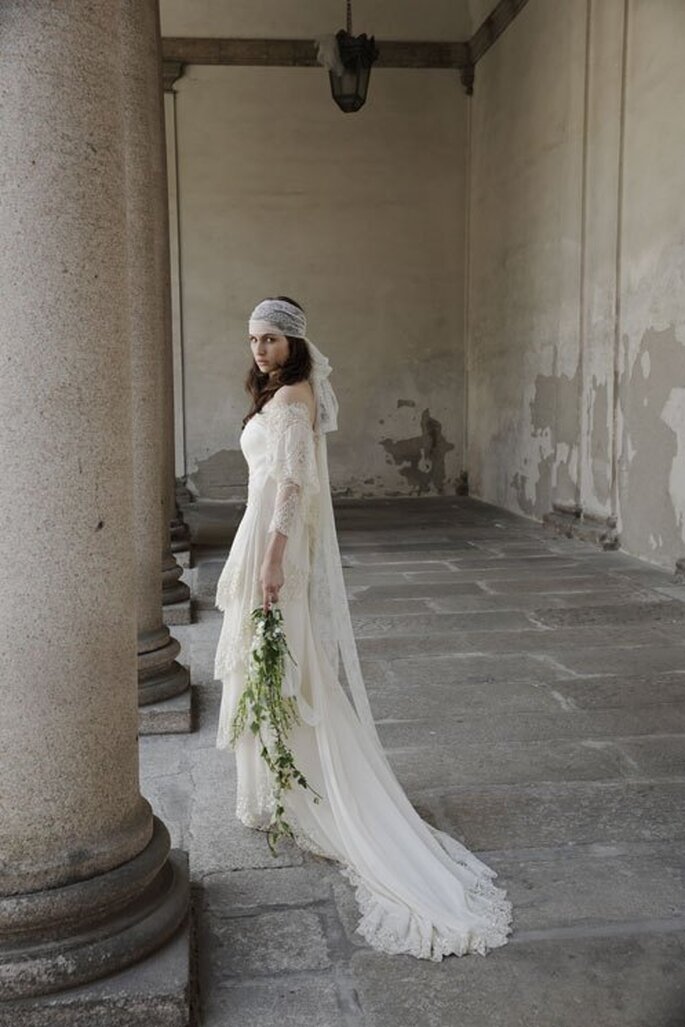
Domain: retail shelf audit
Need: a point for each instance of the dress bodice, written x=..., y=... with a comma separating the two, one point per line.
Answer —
x=278, y=446
x=253, y=444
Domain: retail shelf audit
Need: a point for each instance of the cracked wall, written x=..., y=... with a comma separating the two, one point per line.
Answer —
x=359, y=217
x=576, y=336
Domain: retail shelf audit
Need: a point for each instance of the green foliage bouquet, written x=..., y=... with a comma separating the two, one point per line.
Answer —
x=269, y=714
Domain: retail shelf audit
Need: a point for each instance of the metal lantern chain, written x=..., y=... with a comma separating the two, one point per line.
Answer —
x=349, y=17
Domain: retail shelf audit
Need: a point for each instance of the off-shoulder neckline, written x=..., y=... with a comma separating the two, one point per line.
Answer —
x=292, y=403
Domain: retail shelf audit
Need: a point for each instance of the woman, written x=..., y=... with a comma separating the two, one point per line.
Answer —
x=419, y=890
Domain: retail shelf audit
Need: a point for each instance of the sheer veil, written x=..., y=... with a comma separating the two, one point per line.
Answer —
x=329, y=607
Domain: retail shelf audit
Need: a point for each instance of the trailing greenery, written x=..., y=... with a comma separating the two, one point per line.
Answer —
x=269, y=714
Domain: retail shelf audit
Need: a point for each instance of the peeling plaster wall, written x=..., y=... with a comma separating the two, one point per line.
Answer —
x=359, y=217
x=576, y=299
x=651, y=414
x=524, y=262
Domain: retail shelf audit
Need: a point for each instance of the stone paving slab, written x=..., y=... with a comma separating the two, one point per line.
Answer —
x=262, y=944
x=624, y=980
x=290, y=1001
x=621, y=691
x=518, y=763
x=523, y=634
x=543, y=585
x=238, y=893
x=579, y=812
x=406, y=698
x=659, y=658
x=608, y=609
x=439, y=646
x=456, y=669
x=627, y=613
x=491, y=727
x=441, y=624
x=460, y=596
x=529, y=692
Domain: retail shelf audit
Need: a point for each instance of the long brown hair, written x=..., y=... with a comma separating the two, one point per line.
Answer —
x=261, y=386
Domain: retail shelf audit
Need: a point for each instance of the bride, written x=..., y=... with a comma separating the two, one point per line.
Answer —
x=419, y=891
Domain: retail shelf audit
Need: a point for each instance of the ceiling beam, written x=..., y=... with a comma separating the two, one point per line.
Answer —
x=493, y=27
x=301, y=53
x=178, y=51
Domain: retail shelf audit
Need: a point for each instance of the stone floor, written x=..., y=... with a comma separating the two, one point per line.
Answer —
x=530, y=692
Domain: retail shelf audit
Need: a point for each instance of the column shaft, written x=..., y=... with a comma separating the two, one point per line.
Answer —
x=86, y=885
x=160, y=676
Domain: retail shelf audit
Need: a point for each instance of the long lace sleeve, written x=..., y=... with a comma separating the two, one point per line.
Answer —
x=292, y=462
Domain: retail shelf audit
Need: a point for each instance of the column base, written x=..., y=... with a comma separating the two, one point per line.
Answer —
x=157, y=991
x=62, y=937
x=177, y=613
x=160, y=676
x=173, y=590
x=180, y=533
x=169, y=717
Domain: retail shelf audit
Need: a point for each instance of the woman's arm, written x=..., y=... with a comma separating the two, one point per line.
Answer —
x=295, y=470
x=271, y=576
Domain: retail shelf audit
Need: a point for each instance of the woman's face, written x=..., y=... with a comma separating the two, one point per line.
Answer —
x=269, y=351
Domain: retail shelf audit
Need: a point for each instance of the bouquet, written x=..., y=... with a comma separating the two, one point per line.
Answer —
x=269, y=714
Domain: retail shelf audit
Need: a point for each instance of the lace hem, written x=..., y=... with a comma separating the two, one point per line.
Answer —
x=397, y=929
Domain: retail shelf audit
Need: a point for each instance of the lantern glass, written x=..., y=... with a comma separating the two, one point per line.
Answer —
x=349, y=90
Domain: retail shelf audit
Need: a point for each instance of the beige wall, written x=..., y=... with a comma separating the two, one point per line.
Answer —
x=359, y=217
x=576, y=340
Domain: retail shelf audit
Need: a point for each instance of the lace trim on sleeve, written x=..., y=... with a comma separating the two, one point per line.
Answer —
x=291, y=462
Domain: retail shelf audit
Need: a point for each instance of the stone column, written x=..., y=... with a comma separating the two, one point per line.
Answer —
x=160, y=676
x=175, y=531
x=87, y=884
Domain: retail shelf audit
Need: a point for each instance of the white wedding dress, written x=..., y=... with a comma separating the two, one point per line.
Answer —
x=419, y=891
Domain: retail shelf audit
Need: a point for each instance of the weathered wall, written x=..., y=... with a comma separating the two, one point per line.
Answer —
x=359, y=217
x=651, y=415
x=576, y=338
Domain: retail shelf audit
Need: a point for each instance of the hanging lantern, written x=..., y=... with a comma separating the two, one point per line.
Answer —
x=348, y=59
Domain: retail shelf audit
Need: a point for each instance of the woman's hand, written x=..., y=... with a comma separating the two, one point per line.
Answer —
x=271, y=579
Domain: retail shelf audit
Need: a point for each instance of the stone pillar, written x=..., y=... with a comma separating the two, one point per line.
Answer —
x=87, y=884
x=175, y=531
x=160, y=676
x=180, y=533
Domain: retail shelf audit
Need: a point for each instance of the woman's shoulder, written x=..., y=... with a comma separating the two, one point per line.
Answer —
x=297, y=393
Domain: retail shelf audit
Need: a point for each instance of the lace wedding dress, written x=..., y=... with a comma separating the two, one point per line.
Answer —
x=419, y=891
